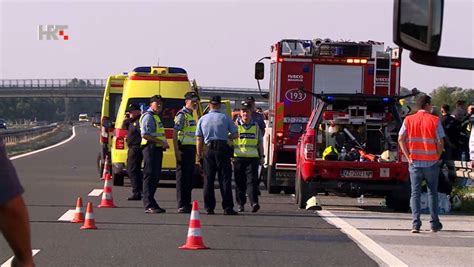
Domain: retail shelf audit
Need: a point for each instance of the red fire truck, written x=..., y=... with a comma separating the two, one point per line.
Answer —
x=319, y=66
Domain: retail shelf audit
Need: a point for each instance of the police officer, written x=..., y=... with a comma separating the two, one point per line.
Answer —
x=153, y=144
x=248, y=154
x=184, y=142
x=257, y=117
x=134, y=156
x=214, y=131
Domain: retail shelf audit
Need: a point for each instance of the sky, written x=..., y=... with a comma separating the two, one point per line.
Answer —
x=217, y=42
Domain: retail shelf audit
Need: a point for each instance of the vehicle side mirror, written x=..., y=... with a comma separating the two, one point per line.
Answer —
x=259, y=71
x=417, y=26
x=296, y=128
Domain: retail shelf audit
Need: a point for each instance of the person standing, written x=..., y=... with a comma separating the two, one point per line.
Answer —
x=184, y=142
x=214, y=131
x=153, y=144
x=421, y=141
x=451, y=128
x=248, y=154
x=257, y=117
x=14, y=222
x=134, y=155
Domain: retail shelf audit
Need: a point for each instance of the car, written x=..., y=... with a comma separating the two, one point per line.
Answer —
x=363, y=130
x=141, y=84
x=83, y=117
x=3, y=124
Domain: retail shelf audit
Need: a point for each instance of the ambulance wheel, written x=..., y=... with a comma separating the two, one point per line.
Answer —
x=118, y=179
x=302, y=192
x=100, y=164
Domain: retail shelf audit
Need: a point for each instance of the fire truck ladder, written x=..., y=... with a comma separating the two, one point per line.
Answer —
x=382, y=73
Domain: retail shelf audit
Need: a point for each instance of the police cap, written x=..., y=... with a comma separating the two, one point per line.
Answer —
x=156, y=98
x=216, y=100
x=133, y=107
x=250, y=99
x=245, y=106
x=191, y=96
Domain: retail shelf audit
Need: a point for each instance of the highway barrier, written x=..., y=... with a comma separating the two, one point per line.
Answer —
x=15, y=136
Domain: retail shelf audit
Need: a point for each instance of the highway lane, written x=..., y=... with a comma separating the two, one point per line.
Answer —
x=278, y=235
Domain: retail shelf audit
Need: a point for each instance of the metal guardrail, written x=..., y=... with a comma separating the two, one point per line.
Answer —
x=12, y=137
x=52, y=83
x=461, y=169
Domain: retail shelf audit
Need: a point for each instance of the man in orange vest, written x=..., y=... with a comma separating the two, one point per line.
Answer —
x=421, y=141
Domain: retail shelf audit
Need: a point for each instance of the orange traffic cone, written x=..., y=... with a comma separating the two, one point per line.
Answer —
x=107, y=169
x=107, y=200
x=194, y=240
x=79, y=214
x=89, y=222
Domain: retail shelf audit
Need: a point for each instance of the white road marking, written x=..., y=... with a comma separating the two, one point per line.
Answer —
x=8, y=263
x=68, y=216
x=363, y=240
x=47, y=148
x=96, y=192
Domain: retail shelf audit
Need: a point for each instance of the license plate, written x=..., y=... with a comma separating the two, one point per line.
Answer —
x=356, y=174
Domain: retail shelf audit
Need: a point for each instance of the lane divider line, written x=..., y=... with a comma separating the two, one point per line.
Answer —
x=96, y=192
x=68, y=216
x=47, y=148
x=8, y=263
x=361, y=239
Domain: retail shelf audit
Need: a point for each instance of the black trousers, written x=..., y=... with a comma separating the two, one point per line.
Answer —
x=152, y=160
x=217, y=161
x=134, y=169
x=246, y=180
x=184, y=175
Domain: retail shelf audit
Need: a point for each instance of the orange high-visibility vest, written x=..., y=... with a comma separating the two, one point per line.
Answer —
x=421, y=136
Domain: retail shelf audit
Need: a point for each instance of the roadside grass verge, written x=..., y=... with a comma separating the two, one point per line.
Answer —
x=57, y=135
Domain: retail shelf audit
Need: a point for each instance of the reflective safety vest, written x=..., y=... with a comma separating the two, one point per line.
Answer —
x=186, y=135
x=246, y=145
x=421, y=136
x=159, y=131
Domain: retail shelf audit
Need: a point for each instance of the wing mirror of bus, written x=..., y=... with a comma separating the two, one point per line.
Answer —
x=259, y=71
x=296, y=128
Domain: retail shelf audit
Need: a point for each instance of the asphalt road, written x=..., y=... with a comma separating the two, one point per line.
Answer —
x=278, y=235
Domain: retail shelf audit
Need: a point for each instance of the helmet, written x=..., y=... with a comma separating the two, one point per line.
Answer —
x=330, y=153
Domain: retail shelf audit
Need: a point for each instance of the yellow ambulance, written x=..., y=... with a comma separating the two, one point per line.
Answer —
x=141, y=84
x=110, y=104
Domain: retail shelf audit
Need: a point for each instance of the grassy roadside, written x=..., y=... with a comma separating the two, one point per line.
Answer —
x=59, y=134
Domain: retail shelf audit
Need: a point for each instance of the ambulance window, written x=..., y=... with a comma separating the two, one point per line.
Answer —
x=170, y=107
x=114, y=103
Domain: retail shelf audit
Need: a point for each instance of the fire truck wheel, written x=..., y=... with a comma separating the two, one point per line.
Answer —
x=272, y=189
x=118, y=179
x=289, y=190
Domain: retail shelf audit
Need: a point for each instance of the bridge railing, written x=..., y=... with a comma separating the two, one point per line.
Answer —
x=51, y=83
x=12, y=137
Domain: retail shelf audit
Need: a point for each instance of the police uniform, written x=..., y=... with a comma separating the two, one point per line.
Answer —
x=214, y=129
x=150, y=124
x=185, y=125
x=246, y=162
x=134, y=156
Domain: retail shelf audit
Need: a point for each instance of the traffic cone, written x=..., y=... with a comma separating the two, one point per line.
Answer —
x=89, y=222
x=107, y=200
x=107, y=169
x=79, y=214
x=194, y=240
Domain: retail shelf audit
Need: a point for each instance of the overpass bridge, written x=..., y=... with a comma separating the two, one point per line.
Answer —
x=94, y=88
